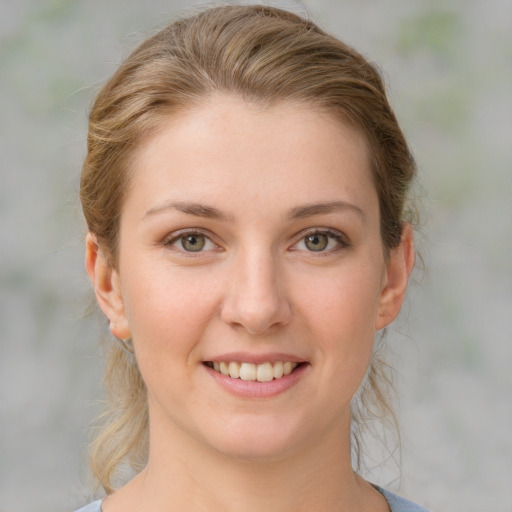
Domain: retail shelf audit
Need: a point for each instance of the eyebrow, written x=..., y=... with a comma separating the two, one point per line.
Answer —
x=190, y=208
x=302, y=212
x=210, y=212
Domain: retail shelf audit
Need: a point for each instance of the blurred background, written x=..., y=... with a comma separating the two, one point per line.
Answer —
x=449, y=69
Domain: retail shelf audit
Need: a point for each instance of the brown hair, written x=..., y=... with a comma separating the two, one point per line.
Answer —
x=263, y=55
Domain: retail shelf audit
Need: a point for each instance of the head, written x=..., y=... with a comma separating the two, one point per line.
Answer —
x=264, y=57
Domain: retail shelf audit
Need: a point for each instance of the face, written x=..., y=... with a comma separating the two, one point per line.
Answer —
x=251, y=276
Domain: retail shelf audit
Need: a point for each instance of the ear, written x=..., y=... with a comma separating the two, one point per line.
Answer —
x=398, y=269
x=107, y=287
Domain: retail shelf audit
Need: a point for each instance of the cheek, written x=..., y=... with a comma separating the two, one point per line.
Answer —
x=348, y=297
x=342, y=313
x=168, y=315
x=168, y=309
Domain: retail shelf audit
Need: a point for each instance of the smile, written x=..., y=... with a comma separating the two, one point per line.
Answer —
x=264, y=372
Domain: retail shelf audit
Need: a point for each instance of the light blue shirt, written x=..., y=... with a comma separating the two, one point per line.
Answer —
x=396, y=504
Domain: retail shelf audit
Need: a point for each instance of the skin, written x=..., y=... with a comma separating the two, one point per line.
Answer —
x=255, y=288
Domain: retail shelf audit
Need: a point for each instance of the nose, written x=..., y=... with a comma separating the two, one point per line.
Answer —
x=256, y=298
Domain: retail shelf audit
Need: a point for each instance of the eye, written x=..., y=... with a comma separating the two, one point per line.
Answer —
x=321, y=241
x=191, y=242
x=316, y=242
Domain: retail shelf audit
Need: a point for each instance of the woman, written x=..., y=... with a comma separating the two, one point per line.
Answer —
x=244, y=191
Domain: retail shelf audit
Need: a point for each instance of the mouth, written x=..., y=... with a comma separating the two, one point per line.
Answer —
x=264, y=372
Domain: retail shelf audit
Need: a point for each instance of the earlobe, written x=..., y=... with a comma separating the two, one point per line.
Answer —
x=398, y=269
x=107, y=287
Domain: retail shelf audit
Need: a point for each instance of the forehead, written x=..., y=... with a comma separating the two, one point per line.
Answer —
x=226, y=143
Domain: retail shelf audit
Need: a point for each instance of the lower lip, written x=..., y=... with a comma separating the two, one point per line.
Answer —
x=255, y=389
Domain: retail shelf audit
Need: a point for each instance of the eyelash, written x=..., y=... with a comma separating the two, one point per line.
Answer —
x=340, y=239
x=181, y=236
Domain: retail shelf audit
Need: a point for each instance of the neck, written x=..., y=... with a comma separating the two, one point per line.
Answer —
x=185, y=474
x=217, y=483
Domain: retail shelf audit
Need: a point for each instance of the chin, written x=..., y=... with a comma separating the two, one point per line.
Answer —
x=250, y=451
x=255, y=442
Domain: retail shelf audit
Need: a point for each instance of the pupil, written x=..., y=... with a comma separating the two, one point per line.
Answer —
x=316, y=242
x=193, y=243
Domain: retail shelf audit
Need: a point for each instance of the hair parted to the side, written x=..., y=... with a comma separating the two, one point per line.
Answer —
x=264, y=55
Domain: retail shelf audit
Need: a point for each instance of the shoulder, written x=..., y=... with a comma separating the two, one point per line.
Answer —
x=399, y=504
x=95, y=506
x=396, y=504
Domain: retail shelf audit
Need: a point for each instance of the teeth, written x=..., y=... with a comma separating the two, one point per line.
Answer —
x=278, y=370
x=256, y=372
x=248, y=371
x=264, y=372
x=224, y=368
x=287, y=368
x=234, y=370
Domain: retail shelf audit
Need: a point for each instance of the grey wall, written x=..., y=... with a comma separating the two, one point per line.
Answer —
x=449, y=66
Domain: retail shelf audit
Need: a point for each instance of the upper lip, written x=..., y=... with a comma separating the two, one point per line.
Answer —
x=245, y=357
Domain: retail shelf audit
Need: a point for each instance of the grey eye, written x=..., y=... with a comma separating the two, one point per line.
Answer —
x=316, y=242
x=193, y=243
